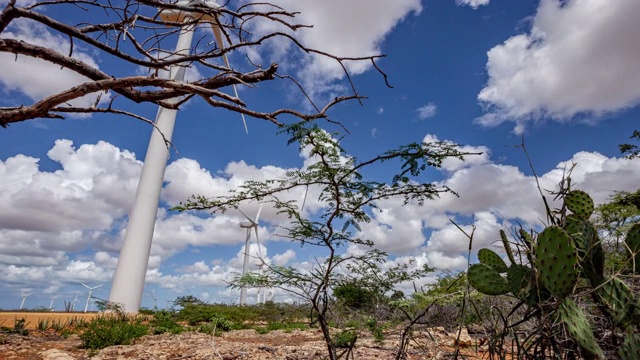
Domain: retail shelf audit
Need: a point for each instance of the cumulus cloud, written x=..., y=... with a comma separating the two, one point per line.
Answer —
x=427, y=111
x=579, y=58
x=26, y=74
x=473, y=3
x=478, y=155
x=367, y=25
x=79, y=196
x=80, y=243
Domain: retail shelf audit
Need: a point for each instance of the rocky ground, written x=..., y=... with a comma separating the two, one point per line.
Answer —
x=243, y=344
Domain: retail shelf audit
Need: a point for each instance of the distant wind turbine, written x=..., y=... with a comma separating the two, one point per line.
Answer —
x=86, y=306
x=250, y=224
x=51, y=304
x=265, y=292
x=73, y=303
x=128, y=280
x=24, y=297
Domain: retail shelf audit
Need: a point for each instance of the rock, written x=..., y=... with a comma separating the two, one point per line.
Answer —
x=461, y=338
x=55, y=354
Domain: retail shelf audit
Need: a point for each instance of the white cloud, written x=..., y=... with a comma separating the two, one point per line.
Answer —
x=427, y=111
x=342, y=28
x=19, y=3
x=79, y=242
x=578, y=58
x=26, y=74
x=284, y=258
x=473, y=3
x=80, y=196
x=478, y=154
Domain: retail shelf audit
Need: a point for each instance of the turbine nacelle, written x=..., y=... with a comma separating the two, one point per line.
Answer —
x=248, y=225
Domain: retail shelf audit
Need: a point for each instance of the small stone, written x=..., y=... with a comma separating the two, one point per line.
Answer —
x=55, y=354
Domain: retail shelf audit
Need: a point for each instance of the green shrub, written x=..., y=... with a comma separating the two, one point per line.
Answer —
x=165, y=321
x=195, y=314
x=345, y=339
x=215, y=326
x=376, y=330
x=109, y=330
x=221, y=323
x=354, y=296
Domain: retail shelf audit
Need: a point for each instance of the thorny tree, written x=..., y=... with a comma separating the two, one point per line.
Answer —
x=337, y=181
x=132, y=34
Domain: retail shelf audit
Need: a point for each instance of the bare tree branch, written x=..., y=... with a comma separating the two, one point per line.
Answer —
x=133, y=35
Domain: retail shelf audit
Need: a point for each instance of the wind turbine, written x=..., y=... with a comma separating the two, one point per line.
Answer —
x=128, y=280
x=153, y=296
x=261, y=264
x=250, y=224
x=51, y=304
x=86, y=306
x=24, y=297
x=73, y=303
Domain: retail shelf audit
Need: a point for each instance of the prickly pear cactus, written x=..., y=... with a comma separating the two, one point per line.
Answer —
x=579, y=203
x=581, y=231
x=557, y=258
x=507, y=247
x=588, y=244
x=577, y=325
x=630, y=349
x=557, y=261
x=632, y=243
x=487, y=280
x=519, y=277
x=489, y=257
x=620, y=302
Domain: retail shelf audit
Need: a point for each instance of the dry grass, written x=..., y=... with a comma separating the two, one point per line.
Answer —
x=7, y=318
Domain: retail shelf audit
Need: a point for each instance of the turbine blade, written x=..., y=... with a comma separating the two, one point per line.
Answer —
x=258, y=242
x=245, y=215
x=258, y=214
x=218, y=34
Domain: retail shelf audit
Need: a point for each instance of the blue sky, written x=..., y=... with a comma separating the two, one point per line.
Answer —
x=483, y=74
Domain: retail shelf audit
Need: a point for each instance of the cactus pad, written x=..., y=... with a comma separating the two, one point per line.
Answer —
x=590, y=251
x=518, y=277
x=581, y=231
x=507, y=246
x=487, y=280
x=632, y=242
x=630, y=349
x=577, y=325
x=621, y=304
x=580, y=203
x=556, y=261
x=489, y=257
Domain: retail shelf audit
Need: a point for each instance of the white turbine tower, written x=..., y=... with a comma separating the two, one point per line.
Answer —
x=86, y=306
x=250, y=224
x=128, y=280
x=51, y=304
x=24, y=297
